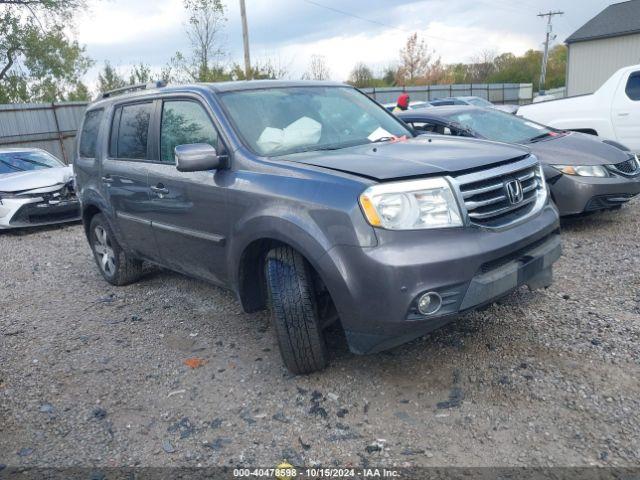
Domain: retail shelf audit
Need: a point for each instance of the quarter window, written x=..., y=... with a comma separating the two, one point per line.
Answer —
x=633, y=86
x=184, y=122
x=131, y=122
x=89, y=134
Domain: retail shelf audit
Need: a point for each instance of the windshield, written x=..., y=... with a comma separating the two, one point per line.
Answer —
x=23, y=161
x=499, y=126
x=278, y=121
x=479, y=102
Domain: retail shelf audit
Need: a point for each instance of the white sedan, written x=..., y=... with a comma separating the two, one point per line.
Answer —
x=35, y=189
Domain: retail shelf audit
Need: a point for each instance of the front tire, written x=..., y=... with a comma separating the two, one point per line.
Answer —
x=114, y=264
x=294, y=311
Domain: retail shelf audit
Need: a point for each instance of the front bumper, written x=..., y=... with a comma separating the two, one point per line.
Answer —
x=35, y=211
x=376, y=294
x=574, y=195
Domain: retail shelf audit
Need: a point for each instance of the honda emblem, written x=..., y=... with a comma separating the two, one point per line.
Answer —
x=514, y=191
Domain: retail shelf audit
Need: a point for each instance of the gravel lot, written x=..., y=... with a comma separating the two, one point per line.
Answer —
x=92, y=374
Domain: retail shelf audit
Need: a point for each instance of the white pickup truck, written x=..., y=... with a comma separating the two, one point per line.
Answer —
x=612, y=112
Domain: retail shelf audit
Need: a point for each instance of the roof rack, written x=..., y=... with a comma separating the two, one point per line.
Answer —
x=133, y=88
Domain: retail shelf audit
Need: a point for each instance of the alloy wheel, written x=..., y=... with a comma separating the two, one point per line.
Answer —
x=104, y=250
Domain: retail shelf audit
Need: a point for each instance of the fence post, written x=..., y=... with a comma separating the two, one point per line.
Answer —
x=60, y=137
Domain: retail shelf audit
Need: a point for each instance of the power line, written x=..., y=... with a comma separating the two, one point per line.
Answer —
x=382, y=24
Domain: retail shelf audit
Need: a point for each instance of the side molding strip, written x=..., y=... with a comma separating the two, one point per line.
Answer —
x=133, y=218
x=211, y=237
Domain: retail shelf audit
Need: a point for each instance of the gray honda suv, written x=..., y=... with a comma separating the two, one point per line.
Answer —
x=312, y=200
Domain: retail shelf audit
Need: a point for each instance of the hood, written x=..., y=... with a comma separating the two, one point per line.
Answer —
x=577, y=149
x=423, y=155
x=35, y=179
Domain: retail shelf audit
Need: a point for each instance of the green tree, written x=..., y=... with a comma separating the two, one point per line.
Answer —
x=389, y=76
x=38, y=60
x=79, y=94
x=262, y=70
x=141, y=73
x=361, y=76
x=514, y=69
x=557, y=67
x=458, y=73
x=110, y=79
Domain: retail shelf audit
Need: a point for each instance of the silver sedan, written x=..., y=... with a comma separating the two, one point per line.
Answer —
x=35, y=189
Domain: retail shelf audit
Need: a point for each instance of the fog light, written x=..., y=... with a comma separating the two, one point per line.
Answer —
x=429, y=303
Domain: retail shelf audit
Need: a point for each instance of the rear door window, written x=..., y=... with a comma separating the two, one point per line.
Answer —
x=89, y=134
x=184, y=122
x=130, y=131
x=633, y=86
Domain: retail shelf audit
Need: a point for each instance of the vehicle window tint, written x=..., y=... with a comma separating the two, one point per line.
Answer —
x=633, y=86
x=89, y=134
x=133, y=131
x=184, y=122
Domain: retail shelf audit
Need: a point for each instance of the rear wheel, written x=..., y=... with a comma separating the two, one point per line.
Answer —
x=294, y=311
x=115, y=265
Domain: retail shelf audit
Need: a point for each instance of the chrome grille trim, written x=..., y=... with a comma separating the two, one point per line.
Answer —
x=486, y=201
x=494, y=213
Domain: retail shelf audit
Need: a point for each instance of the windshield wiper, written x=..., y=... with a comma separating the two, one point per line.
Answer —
x=539, y=137
x=33, y=162
x=12, y=166
x=383, y=139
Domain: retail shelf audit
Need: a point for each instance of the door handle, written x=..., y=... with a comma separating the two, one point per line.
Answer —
x=623, y=114
x=160, y=189
x=107, y=179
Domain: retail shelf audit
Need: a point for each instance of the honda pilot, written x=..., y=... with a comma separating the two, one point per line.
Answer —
x=310, y=199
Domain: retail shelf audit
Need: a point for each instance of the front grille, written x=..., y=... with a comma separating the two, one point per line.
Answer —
x=629, y=167
x=486, y=196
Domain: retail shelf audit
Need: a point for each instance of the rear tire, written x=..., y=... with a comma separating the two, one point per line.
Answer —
x=116, y=266
x=294, y=311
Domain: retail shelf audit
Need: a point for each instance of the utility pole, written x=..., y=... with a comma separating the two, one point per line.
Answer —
x=545, y=57
x=245, y=41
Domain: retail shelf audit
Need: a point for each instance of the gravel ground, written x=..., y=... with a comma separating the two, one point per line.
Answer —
x=95, y=375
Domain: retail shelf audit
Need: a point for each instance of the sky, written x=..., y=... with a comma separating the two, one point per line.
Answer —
x=289, y=32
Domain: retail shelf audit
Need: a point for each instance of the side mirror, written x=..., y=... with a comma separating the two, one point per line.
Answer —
x=196, y=157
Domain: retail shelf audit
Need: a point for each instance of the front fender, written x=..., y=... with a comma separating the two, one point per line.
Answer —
x=304, y=236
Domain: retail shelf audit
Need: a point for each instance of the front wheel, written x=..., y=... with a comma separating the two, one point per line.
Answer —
x=115, y=265
x=294, y=311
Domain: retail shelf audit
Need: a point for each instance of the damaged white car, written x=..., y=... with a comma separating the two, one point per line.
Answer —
x=35, y=189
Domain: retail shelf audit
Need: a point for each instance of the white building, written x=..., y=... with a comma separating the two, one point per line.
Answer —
x=607, y=42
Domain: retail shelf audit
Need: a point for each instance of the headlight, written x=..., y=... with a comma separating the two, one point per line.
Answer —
x=411, y=205
x=582, y=170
